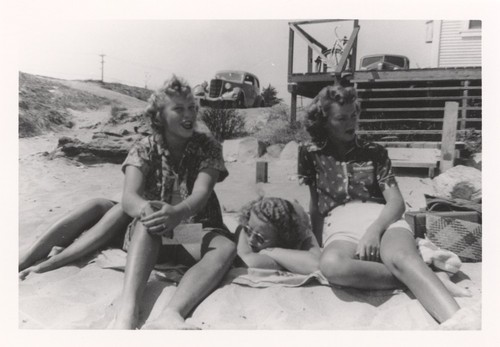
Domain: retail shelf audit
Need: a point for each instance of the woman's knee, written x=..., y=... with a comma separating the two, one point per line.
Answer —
x=223, y=248
x=401, y=260
x=334, y=267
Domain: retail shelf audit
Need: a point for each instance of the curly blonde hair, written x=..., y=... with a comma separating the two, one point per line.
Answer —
x=290, y=220
x=175, y=86
x=317, y=111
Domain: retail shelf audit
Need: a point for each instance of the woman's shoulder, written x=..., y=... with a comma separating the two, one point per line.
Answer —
x=206, y=142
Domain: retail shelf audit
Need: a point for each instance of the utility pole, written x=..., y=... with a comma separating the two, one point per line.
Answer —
x=102, y=67
x=146, y=77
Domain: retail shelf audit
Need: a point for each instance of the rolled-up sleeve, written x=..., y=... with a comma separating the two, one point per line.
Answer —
x=385, y=176
x=305, y=168
x=138, y=157
x=211, y=158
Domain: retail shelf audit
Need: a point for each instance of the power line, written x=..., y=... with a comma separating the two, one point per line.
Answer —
x=102, y=67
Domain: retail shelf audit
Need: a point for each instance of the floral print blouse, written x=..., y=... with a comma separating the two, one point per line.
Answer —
x=151, y=156
x=364, y=174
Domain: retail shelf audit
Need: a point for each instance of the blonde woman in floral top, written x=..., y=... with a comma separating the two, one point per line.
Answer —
x=356, y=207
x=169, y=179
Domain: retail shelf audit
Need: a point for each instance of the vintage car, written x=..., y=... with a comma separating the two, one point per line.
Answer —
x=384, y=62
x=231, y=88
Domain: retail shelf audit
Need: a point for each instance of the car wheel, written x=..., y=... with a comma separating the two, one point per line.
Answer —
x=240, y=102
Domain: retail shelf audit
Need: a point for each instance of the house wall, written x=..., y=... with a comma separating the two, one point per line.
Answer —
x=457, y=45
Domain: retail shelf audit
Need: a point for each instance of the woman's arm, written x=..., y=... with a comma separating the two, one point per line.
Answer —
x=316, y=217
x=294, y=260
x=369, y=245
x=168, y=217
x=252, y=259
x=132, y=201
x=303, y=261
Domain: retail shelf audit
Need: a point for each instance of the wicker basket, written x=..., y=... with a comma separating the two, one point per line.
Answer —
x=462, y=237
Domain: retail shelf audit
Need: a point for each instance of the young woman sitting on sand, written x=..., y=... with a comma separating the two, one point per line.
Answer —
x=356, y=204
x=169, y=179
x=276, y=234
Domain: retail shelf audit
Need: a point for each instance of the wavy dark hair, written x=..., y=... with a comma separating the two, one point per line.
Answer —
x=175, y=86
x=316, y=113
x=290, y=220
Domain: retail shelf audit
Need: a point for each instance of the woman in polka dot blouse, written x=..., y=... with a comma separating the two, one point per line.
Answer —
x=356, y=207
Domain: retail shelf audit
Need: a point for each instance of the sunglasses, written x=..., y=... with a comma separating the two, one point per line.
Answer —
x=249, y=232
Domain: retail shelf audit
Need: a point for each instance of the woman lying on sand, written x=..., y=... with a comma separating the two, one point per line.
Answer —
x=355, y=198
x=276, y=234
x=169, y=179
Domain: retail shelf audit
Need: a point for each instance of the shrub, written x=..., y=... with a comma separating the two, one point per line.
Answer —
x=224, y=123
x=472, y=140
x=278, y=129
x=270, y=96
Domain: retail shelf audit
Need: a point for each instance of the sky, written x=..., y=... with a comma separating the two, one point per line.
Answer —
x=146, y=52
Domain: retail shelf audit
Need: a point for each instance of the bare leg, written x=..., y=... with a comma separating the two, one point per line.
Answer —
x=112, y=223
x=340, y=267
x=197, y=283
x=141, y=258
x=65, y=230
x=399, y=254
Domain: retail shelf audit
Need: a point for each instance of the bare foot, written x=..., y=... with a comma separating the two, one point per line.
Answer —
x=454, y=289
x=23, y=274
x=125, y=320
x=170, y=320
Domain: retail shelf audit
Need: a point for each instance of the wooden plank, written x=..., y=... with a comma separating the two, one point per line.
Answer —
x=309, y=59
x=407, y=89
x=411, y=109
x=449, y=135
x=432, y=120
x=319, y=21
x=464, y=105
x=427, y=155
x=354, y=52
x=417, y=144
x=261, y=172
x=398, y=163
x=404, y=132
x=293, y=108
x=310, y=41
x=290, y=51
x=442, y=74
x=401, y=132
x=347, y=48
x=421, y=98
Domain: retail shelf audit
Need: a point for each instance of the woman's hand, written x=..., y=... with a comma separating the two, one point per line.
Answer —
x=369, y=245
x=160, y=218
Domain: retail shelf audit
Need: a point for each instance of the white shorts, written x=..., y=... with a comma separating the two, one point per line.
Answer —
x=349, y=222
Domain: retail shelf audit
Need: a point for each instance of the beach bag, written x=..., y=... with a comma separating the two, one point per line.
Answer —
x=462, y=237
x=451, y=224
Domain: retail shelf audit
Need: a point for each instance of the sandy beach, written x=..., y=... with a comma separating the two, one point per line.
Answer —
x=83, y=295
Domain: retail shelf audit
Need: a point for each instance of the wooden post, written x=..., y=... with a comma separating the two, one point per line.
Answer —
x=261, y=172
x=354, y=48
x=449, y=135
x=309, y=59
x=463, y=116
x=290, y=52
x=293, y=109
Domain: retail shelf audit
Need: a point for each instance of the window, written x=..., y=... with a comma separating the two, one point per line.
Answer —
x=474, y=24
x=471, y=28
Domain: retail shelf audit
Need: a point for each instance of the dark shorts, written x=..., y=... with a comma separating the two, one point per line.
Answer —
x=177, y=253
